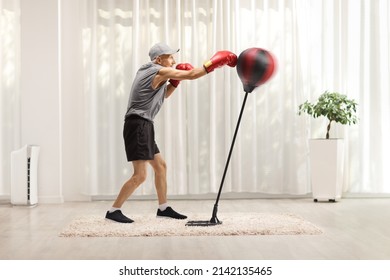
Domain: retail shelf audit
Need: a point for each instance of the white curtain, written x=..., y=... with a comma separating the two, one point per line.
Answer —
x=9, y=87
x=320, y=45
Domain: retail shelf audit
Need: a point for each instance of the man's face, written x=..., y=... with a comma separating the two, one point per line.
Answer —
x=166, y=60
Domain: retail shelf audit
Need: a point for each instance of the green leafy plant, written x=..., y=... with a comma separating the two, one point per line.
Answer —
x=334, y=106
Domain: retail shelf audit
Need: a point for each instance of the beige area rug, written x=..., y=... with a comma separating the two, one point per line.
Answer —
x=232, y=224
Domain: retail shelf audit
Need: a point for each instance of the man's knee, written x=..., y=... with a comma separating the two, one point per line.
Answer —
x=140, y=173
x=161, y=167
x=139, y=177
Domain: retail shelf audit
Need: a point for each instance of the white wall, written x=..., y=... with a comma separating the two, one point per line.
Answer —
x=51, y=96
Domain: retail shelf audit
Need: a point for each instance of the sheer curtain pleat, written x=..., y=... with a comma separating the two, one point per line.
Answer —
x=320, y=45
x=9, y=88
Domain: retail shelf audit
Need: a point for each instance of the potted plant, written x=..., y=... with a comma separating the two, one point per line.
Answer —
x=327, y=155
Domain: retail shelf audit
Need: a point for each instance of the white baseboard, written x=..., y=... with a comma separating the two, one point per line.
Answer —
x=213, y=196
x=209, y=196
x=50, y=199
x=5, y=199
x=366, y=195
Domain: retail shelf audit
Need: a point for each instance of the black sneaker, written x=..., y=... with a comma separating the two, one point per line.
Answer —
x=117, y=216
x=170, y=213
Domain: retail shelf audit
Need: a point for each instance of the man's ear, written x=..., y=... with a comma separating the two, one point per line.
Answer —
x=158, y=60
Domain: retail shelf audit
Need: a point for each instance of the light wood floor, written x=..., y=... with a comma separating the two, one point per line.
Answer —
x=354, y=228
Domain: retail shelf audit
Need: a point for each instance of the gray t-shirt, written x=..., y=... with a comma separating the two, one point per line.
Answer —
x=145, y=101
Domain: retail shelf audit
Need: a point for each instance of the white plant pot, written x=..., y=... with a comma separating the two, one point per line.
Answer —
x=327, y=166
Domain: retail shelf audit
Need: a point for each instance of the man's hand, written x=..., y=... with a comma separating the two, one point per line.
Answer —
x=180, y=66
x=220, y=59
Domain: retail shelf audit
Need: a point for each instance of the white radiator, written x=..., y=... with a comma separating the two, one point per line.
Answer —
x=24, y=176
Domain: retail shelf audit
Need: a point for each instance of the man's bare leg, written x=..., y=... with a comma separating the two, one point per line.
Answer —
x=160, y=170
x=160, y=180
x=139, y=176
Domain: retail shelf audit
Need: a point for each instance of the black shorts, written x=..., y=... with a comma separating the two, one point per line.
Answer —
x=138, y=134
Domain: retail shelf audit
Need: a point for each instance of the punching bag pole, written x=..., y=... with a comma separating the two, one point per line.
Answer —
x=214, y=220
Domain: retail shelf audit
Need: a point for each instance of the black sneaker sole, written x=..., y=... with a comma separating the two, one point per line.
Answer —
x=167, y=217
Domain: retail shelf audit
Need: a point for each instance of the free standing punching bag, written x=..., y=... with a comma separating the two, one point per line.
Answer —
x=255, y=66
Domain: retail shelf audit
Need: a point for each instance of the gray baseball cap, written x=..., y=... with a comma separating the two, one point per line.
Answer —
x=160, y=49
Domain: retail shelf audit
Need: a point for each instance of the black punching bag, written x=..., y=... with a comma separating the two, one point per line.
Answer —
x=254, y=67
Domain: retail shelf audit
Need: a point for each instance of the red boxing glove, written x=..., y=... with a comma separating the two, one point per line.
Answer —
x=184, y=66
x=181, y=66
x=220, y=59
